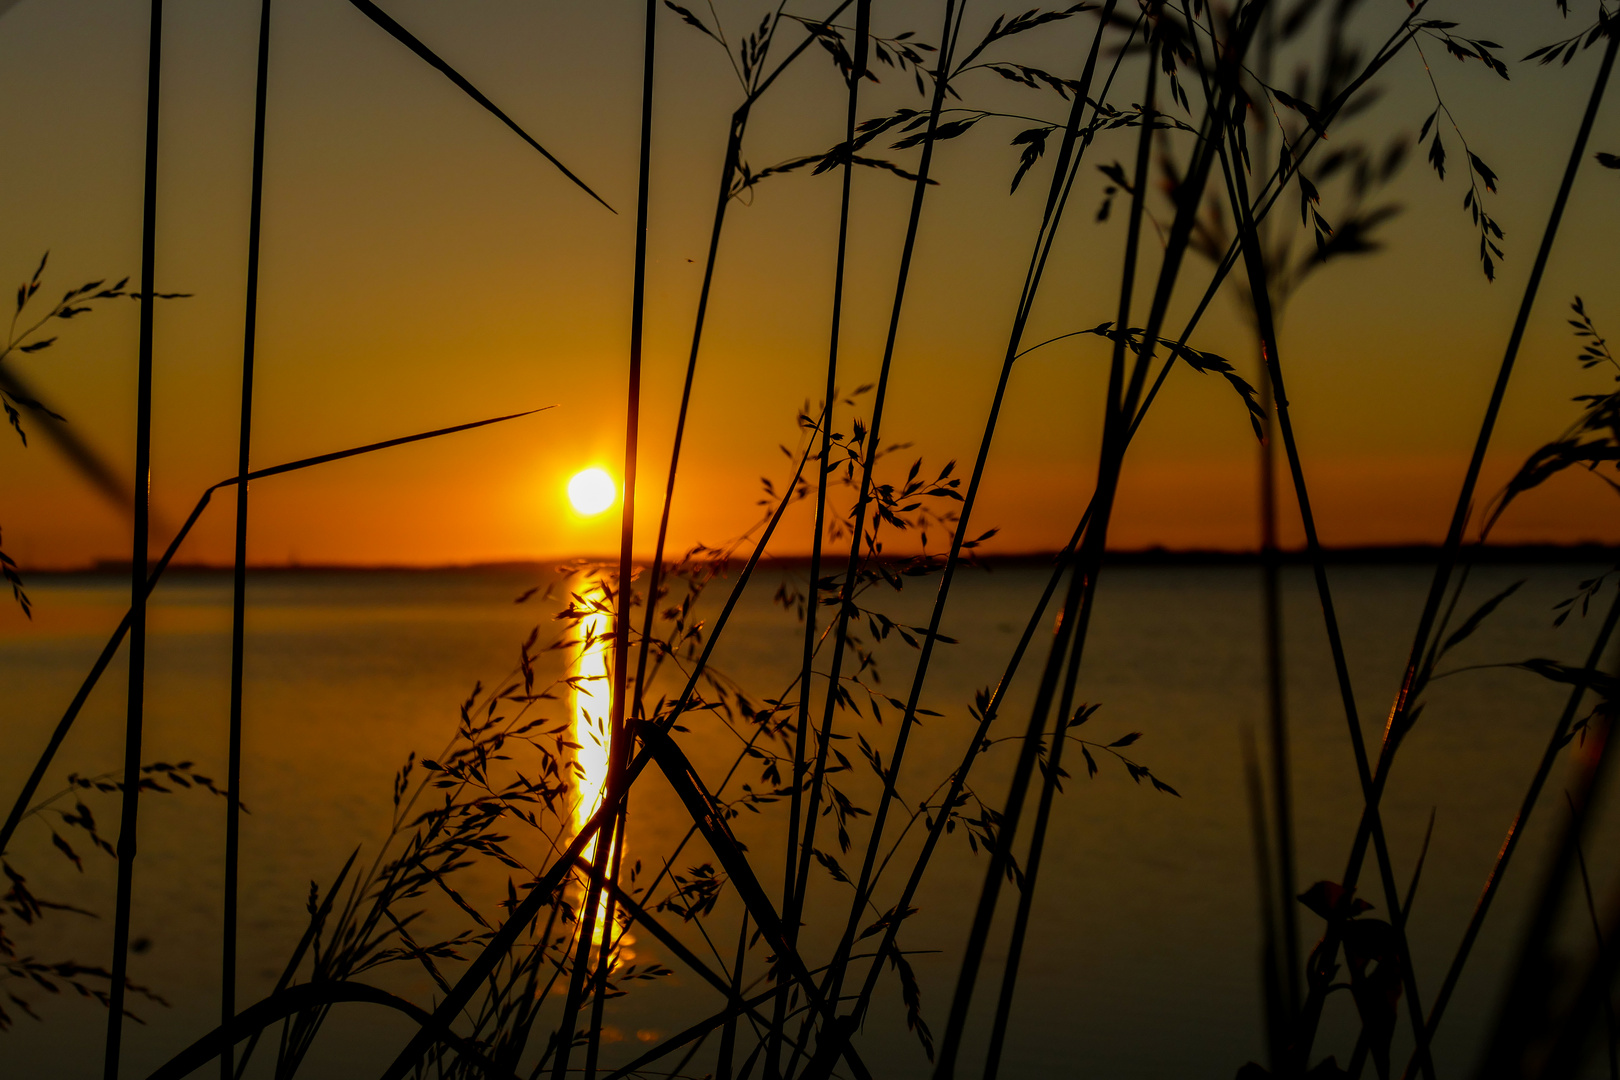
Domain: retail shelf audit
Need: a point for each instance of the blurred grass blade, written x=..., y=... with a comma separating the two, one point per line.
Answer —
x=409, y=40
x=20, y=807
x=296, y=999
x=85, y=458
x=315, y=923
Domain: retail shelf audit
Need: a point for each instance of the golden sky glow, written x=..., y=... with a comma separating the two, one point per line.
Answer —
x=422, y=267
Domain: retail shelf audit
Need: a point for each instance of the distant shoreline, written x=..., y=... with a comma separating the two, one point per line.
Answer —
x=1381, y=555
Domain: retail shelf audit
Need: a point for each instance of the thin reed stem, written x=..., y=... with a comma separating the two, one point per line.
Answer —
x=1067, y=164
x=728, y=1033
x=1275, y=1006
x=19, y=808
x=1611, y=1031
x=1051, y=771
x=233, y=767
x=734, y=137
x=872, y=447
x=618, y=730
x=1265, y=319
x=739, y=121
x=1006, y=823
x=613, y=795
x=1412, y=680
x=1415, y=675
x=135, y=713
x=1121, y=406
x=1282, y=798
x=1519, y=1031
x=991, y=710
x=958, y=779
x=604, y=955
x=1063, y=173
x=1286, y=884
x=792, y=909
x=1556, y=742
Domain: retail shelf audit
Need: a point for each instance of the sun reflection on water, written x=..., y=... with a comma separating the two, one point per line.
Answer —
x=592, y=698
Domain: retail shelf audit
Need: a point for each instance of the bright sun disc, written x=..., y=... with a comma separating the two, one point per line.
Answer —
x=592, y=491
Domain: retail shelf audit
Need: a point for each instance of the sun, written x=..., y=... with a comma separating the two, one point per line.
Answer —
x=592, y=491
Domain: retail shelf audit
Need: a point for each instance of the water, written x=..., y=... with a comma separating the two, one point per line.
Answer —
x=1143, y=955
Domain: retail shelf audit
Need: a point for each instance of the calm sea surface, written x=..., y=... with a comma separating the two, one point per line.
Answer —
x=1143, y=956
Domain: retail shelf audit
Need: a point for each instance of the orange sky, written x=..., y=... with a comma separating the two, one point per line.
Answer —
x=422, y=267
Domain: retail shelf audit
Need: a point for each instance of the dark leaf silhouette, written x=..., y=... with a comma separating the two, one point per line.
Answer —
x=406, y=38
x=1473, y=621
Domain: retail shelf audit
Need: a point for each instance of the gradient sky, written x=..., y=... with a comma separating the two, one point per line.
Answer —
x=422, y=267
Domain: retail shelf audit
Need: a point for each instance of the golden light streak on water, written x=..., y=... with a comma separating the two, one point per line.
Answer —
x=592, y=699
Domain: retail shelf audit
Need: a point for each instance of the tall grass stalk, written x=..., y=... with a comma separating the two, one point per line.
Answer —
x=1594, y=987
x=433, y=60
x=1286, y=887
x=735, y=131
x=1415, y=676
x=1556, y=742
x=1275, y=1007
x=950, y=28
x=233, y=766
x=65, y=725
x=1400, y=712
x=1075, y=141
x=618, y=730
x=610, y=939
x=1284, y=884
x=1529, y=1037
x=728, y=1034
x=792, y=897
x=500, y=943
x=991, y=707
x=1028, y=875
x=1000, y=855
x=1123, y=399
x=1259, y=291
x=1251, y=244
x=135, y=714
x=1068, y=162
x=734, y=135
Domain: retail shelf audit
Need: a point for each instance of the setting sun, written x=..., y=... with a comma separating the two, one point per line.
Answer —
x=592, y=491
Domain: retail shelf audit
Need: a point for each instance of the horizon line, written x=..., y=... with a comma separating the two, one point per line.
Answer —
x=1149, y=555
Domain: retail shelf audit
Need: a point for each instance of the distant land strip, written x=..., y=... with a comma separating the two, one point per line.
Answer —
x=1375, y=555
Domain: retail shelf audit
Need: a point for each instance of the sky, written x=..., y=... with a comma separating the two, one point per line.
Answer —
x=423, y=267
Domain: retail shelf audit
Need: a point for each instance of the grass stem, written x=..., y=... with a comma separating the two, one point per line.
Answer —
x=135, y=713
x=233, y=767
x=792, y=909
